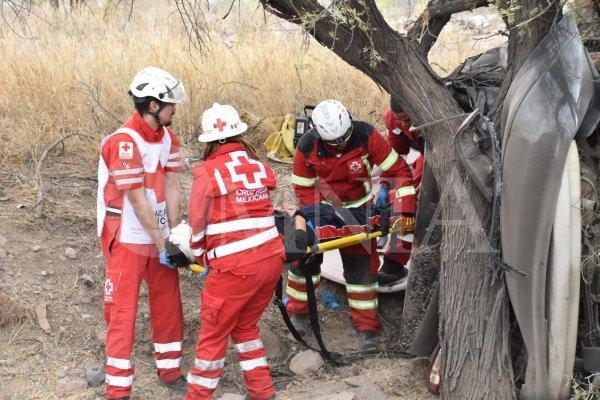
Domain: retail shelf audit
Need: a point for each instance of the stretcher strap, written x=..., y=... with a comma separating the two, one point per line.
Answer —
x=286, y=318
x=334, y=358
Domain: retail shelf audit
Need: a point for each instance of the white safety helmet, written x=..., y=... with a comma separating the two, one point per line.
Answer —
x=159, y=84
x=332, y=121
x=220, y=122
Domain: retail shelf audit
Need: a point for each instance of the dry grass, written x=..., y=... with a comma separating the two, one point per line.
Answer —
x=72, y=76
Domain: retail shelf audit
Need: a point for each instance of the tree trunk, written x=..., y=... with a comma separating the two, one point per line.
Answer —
x=476, y=362
x=474, y=317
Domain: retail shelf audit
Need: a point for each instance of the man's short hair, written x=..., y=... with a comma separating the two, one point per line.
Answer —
x=395, y=105
x=142, y=104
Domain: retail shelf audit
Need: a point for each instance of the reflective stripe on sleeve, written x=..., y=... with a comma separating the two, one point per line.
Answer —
x=129, y=181
x=119, y=363
x=389, y=161
x=120, y=381
x=245, y=347
x=174, y=164
x=168, y=363
x=240, y=224
x=172, y=156
x=207, y=365
x=359, y=202
x=405, y=191
x=167, y=347
x=301, y=181
x=249, y=365
x=202, y=381
x=132, y=171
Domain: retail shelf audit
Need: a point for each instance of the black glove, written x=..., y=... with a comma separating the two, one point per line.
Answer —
x=384, y=219
x=295, y=246
x=176, y=256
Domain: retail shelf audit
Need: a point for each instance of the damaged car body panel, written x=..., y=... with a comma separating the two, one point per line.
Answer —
x=543, y=110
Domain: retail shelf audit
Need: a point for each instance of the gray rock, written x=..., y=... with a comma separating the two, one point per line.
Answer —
x=62, y=372
x=87, y=280
x=305, y=362
x=94, y=375
x=36, y=248
x=231, y=396
x=338, y=396
x=4, y=199
x=71, y=253
x=70, y=385
x=370, y=391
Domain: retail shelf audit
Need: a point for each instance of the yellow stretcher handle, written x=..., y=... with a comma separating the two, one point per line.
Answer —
x=197, y=268
x=342, y=242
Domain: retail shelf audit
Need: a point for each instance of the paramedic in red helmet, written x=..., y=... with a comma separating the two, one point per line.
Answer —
x=332, y=167
x=234, y=233
x=410, y=146
x=138, y=200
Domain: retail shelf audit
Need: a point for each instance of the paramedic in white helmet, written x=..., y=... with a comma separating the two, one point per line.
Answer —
x=332, y=179
x=138, y=200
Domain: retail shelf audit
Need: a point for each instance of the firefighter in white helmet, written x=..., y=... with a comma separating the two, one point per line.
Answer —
x=332, y=180
x=138, y=200
x=233, y=231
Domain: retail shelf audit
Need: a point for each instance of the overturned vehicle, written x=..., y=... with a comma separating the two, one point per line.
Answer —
x=542, y=180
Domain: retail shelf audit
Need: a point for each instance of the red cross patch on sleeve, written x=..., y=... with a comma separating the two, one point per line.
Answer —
x=125, y=150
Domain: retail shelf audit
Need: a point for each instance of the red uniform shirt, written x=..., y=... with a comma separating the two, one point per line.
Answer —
x=399, y=137
x=345, y=179
x=124, y=162
x=230, y=203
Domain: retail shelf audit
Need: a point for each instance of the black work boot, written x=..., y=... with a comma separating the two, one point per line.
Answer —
x=368, y=340
x=301, y=323
x=391, y=271
x=179, y=385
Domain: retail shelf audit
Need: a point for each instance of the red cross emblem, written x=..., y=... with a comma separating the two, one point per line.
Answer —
x=125, y=150
x=249, y=172
x=355, y=167
x=220, y=125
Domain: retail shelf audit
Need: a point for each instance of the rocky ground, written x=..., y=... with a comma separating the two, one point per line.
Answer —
x=52, y=329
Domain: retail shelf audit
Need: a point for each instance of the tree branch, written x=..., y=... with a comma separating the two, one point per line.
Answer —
x=430, y=23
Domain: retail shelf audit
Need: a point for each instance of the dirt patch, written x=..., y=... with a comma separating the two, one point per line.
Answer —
x=34, y=270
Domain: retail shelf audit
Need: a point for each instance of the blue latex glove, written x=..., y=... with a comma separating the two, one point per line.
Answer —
x=382, y=196
x=204, y=273
x=163, y=257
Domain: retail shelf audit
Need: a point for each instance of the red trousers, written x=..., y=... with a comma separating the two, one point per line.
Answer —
x=126, y=266
x=399, y=250
x=232, y=303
